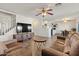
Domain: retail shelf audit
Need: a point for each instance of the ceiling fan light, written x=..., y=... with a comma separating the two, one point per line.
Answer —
x=44, y=14
x=65, y=21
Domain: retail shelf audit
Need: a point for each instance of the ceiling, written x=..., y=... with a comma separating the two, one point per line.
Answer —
x=29, y=9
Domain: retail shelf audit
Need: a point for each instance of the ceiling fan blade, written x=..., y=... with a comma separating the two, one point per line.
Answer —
x=38, y=14
x=49, y=9
x=50, y=13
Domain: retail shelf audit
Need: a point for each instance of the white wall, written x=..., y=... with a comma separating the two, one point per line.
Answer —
x=23, y=19
x=36, y=25
x=62, y=26
x=8, y=35
x=68, y=25
x=38, y=29
x=5, y=18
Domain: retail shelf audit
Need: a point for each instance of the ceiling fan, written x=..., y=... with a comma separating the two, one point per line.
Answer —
x=45, y=11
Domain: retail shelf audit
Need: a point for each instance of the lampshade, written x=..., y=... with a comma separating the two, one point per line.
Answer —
x=29, y=27
x=19, y=28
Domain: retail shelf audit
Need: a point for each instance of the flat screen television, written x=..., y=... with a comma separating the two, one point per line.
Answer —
x=23, y=27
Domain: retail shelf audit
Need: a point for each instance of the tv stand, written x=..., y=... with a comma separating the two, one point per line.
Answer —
x=23, y=36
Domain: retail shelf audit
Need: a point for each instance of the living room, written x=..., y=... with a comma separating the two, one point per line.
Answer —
x=24, y=25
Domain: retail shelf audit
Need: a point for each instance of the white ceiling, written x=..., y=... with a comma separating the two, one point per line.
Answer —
x=29, y=9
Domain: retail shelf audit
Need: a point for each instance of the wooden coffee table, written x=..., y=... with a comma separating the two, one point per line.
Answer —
x=39, y=44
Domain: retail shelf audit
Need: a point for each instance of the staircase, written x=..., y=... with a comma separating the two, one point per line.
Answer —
x=5, y=29
x=7, y=22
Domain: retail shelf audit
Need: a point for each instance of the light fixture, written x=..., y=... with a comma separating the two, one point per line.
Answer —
x=45, y=23
x=29, y=27
x=65, y=22
x=45, y=11
x=19, y=28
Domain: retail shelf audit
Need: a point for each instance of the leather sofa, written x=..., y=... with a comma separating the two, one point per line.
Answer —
x=8, y=46
x=52, y=52
x=73, y=49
